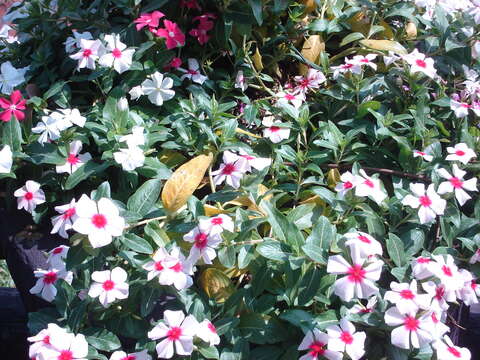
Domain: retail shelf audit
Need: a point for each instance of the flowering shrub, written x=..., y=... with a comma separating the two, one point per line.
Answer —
x=246, y=179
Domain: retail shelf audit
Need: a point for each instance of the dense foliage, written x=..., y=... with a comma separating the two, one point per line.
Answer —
x=246, y=179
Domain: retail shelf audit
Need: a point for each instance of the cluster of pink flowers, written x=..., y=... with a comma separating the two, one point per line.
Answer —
x=203, y=27
x=171, y=32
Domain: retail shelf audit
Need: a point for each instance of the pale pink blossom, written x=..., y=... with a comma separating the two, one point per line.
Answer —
x=446, y=350
x=175, y=330
x=365, y=243
x=349, y=66
x=255, y=162
x=456, y=184
x=29, y=196
x=74, y=159
x=344, y=338
x=423, y=155
x=231, y=170
x=428, y=203
x=109, y=286
x=122, y=355
x=405, y=297
x=65, y=346
x=475, y=257
x=440, y=296
x=274, y=130
x=348, y=181
x=64, y=222
x=422, y=268
x=216, y=224
x=41, y=341
x=208, y=333
x=419, y=63
x=56, y=256
x=369, y=186
x=240, y=82
x=45, y=285
x=312, y=80
x=315, y=342
x=193, y=72
x=288, y=97
x=460, y=152
x=204, y=244
x=89, y=52
x=410, y=330
x=366, y=60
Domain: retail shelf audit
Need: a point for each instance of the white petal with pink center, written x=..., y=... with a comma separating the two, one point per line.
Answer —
x=364, y=309
x=89, y=52
x=56, y=256
x=216, y=224
x=456, y=184
x=445, y=269
x=117, y=55
x=428, y=202
x=208, y=333
x=366, y=60
x=275, y=131
x=177, y=332
x=440, y=296
x=109, y=286
x=419, y=63
x=365, y=243
x=343, y=338
x=29, y=196
x=136, y=138
x=204, y=244
x=438, y=327
x=360, y=278
x=467, y=292
x=311, y=80
x=288, y=97
x=315, y=342
x=348, y=182
x=41, y=341
x=348, y=66
x=425, y=156
x=122, y=355
x=99, y=220
x=231, y=170
x=64, y=222
x=460, y=152
x=446, y=350
x=459, y=108
x=255, y=162
x=422, y=267
x=45, y=285
x=193, y=72
x=369, y=186
x=406, y=297
x=65, y=346
x=410, y=330
x=74, y=159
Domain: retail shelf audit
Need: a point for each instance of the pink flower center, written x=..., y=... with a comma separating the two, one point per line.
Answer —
x=446, y=270
x=201, y=240
x=356, y=273
x=365, y=311
x=346, y=337
x=29, y=196
x=456, y=182
x=174, y=333
x=108, y=285
x=65, y=355
x=212, y=328
x=129, y=357
x=228, y=169
x=459, y=152
x=69, y=213
x=347, y=66
x=439, y=292
x=364, y=239
x=87, y=53
x=248, y=157
x=425, y=201
x=454, y=352
x=217, y=221
x=192, y=72
x=365, y=61
x=347, y=185
x=73, y=159
x=421, y=63
x=289, y=97
x=410, y=323
x=116, y=53
x=369, y=183
x=159, y=266
x=177, y=267
x=316, y=349
x=99, y=220
x=473, y=285
x=50, y=277
x=464, y=105
x=46, y=340
x=274, y=129
x=421, y=153
x=407, y=294
x=57, y=250
x=434, y=318
x=13, y=107
x=423, y=260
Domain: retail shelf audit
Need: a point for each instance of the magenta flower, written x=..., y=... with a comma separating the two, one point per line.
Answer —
x=150, y=19
x=204, y=25
x=173, y=35
x=13, y=107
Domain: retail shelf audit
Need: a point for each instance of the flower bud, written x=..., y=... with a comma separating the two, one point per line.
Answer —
x=122, y=104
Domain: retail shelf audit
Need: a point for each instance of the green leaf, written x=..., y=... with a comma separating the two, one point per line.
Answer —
x=318, y=243
x=44, y=154
x=273, y=250
x=256, y=6
x=12, y=134
x=102, y=191
x=137, y=244
x=309, y=286
x=209, y=352
x=102, y=339
x=148, y=297
x=84, y=172
x=352, y=37
x=145, y=197
x=396, y=249
x=54, y=89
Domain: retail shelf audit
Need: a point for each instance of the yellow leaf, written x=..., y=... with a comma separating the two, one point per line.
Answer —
x=360, y=22
x=310, y=5
x=212, y=210
x=184, y=181
x=384, y=45
x=333, y=177
x=216, y=284
x=411, y=30
x=388, y=32
x=257, y=60
x=171, y=158
x=245, y=132
x=312, y=47
x=315, y=199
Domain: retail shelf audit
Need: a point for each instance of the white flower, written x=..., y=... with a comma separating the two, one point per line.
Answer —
x=311, y=80
x=475, y=257
x=456, y=184
x=287, y=97
x=6, y=33
x=29, y=196
x=360, y=275
x=136, y=92
x=6, y=160
x=390, y=58
x=445, y=269
x=41, y=341
x=447, y=351
x=117, y=54
x=365, y=243
x=438, y=328
x=158, y=88
x=364, y=309
x=348, y=182
x=216, y=224
x=100, y=221
x=343, y=338
x=411, y=330
x=240, y=82
x=231, y=170
x=273, y=132
x=255, y=162
x=316, y=342
x=460, y=152
x=369, y=186
x=65, y=346
x=419, y=63
x=74, y=160
x=423, y=155
x=49, y=129
x=122, y=104
x=429, y=203
x=176, y=330
x=365, y=60
x=122, y=355
x=90, y=50
x=460, y=108
x=11, y=77
x=130, y=158
x=208, y=333
x=193, y=72
x=467, y=293
x=73, y=43
x=136, y=138
x=440, y=296
x=109, y=286
x=348, y=66
x=56, y=256
x=422, y=268
x=64, y=222
x=476, y=50
x=406, y=298
x=204, y=244
x=45, y=285
x=68, y=118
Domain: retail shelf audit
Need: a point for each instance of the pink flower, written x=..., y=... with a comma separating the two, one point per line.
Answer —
x=360, y=275
x=419, y=63
x=240, y=82
x=428, y=202
x=149, y=19
x=406, y=298
x=461, y=108
x=422, y=154
x=208, y=333
x=64, y=222
x=447, y=351
x=216, y=224
x=475, y=257
x=343, y=338
x=175, y=63
x=176, y=329
x=460, y=152
x=311, y=80
x=365, y=243
x=74, y=159
x=231, y=170
x=348, y=66
x=456, y=184
x=29, y=196
x=204, y=26
x=173, y=35
x=315, y=342
x=440, y=296
x=45, y=285
x=348, y=181
x=422, y=268
x=411, y=330
x=13, y=107
x=204, y=244
x=109, y=285
x=190, y=4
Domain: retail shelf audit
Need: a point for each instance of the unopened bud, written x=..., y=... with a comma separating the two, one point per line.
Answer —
x=411, y=30
x=122, y=104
